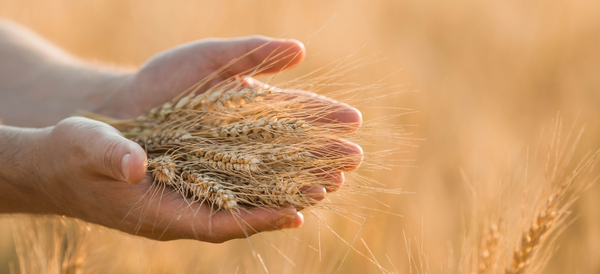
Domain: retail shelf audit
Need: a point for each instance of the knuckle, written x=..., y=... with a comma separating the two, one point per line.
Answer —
x=110, y=153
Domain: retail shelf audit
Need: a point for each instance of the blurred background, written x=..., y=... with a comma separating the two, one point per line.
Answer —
x=486, y=77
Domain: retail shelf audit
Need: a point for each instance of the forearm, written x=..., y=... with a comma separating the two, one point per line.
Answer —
x=21, y=184
x=40, y=84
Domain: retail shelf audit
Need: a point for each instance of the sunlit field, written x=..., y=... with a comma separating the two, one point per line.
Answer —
x=484, y=82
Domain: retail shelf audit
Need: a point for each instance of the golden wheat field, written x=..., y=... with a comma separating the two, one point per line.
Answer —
x=494, y=95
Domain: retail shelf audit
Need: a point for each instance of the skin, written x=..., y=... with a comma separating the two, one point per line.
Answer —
x=86, y=169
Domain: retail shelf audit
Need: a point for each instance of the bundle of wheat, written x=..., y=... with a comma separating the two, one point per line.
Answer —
x=241, y=145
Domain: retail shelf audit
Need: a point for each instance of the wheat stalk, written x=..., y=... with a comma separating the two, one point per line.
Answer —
x=489, y=244
x=234, y=146
x=544, y=222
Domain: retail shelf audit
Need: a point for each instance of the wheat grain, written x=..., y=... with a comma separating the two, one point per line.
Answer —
x=532, y=239
x=235, y=145
x=162, y=168
x=263, y=128
x=488, y=251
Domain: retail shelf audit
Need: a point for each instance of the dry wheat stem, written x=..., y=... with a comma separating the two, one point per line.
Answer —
x=549, y=218
x=231, y=146
x=488, y=251
x=544, y=221
x=237, y=145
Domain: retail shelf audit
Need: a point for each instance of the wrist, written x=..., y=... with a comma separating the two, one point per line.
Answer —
x=22, y=176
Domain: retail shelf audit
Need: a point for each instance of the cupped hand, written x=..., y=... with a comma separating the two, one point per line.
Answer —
x=91, y=160
x=93, y=173
x=167, y=74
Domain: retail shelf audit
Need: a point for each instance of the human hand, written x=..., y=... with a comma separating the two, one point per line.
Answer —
x=93, y=177
x=83, y=167
x=167, y=74
x=74, y=168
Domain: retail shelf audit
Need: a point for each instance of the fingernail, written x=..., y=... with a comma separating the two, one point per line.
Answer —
x=293, y=221
x=125, y=166
x=298, y=221
x=315, y=192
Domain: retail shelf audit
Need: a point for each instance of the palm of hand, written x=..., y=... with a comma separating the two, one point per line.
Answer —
x=85, y=179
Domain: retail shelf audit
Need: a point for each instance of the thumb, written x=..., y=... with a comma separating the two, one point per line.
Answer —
x=269, y=54
x=108, y=153
x=241, y=55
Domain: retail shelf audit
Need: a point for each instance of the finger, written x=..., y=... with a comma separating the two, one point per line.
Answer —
x=269, y=54
x=314, y=193
x=249, y=221
x=108, y=153
x=334, y=181
x=325, y=110
x=203, y=223
x=343, y=155
x=331, y=179
x=311, y=195
x=316, y=108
